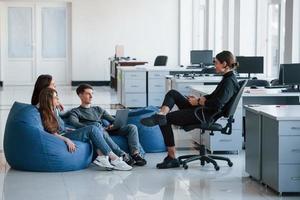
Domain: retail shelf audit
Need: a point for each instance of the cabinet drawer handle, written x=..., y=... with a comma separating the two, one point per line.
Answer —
x=296, y=150
x=157, y=85
x=134, y=86
x=295, y=128
x=295, y=178
x=225, y=140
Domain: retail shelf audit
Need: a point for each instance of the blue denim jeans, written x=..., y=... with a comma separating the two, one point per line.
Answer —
x=131, y=132
x=98, y=137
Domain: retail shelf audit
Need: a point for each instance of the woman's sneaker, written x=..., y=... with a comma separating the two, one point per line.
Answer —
x=153, y=120
x=139, y=161
x=119, y=164
x=103, y=163
x=168, y=162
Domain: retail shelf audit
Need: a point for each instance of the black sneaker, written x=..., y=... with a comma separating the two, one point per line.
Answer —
x=168, y=163
x=155, y=119
x=139, y=161
x=128, y=159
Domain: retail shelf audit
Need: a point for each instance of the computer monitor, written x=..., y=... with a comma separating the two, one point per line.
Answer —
x=291, y=74
x=280, y=77
x=250, y=64
x=202, y=57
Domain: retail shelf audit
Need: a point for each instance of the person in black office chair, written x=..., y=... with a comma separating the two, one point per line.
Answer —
x=212, y=103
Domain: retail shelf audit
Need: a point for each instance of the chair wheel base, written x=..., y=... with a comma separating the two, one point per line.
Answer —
x=185, y=166
x=217, y=168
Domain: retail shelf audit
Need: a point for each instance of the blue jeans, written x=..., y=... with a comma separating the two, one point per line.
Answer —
x=98, y=137
x=131, y=132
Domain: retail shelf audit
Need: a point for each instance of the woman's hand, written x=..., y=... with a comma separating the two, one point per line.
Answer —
x=193, y=100
x=71, y=145
x=201, y=101
x=60, y=107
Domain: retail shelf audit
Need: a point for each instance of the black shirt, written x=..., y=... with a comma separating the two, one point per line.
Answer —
x=226, y=89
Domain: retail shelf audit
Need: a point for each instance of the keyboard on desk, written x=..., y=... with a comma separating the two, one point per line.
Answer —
x=193, y=67
x=275, y=86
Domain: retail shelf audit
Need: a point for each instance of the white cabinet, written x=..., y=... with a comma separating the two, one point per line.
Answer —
x=132, y=88
x=156, y=87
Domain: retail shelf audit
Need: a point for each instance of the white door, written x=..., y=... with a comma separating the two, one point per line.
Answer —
x=35, y=41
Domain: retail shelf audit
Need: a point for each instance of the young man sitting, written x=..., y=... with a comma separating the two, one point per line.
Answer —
x=86, y=114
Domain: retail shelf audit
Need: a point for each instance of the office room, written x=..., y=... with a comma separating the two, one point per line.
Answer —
x=149, y=99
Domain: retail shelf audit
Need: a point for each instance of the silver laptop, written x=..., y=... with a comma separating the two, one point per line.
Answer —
x=120, y=119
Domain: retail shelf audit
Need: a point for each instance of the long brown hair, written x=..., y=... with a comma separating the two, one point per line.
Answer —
x=43, y=81
x=47, y=110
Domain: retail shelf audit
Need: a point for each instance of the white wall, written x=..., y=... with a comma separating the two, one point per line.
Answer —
x=146, y=28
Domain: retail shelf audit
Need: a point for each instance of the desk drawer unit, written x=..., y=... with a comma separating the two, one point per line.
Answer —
x=135, y=100
x=155, y=99
x=289, y=178
x=135, y=75
x=134, y=86
x=289, y=128
x=156, y=85
x=157, y=75
x=133, y=89
x=281, y=154
x=289, y=150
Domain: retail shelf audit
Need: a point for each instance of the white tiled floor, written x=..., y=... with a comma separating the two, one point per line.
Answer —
x=140, y=183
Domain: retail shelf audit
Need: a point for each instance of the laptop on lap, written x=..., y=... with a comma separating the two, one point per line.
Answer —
x=120, y=119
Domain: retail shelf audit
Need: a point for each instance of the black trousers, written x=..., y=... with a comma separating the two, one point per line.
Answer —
x=182, y=117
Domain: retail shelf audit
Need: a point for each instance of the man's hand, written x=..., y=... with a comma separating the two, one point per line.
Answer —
x=109, y=127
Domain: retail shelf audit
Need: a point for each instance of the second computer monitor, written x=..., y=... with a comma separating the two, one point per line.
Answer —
x=291, y=74
x=250, y=64
x=202, y=57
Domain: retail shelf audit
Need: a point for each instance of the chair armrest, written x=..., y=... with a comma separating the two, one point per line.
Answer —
x=201, y=111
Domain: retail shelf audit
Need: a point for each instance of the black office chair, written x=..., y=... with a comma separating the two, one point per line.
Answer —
x=227, y=111
x=258, y=83
x=161, y=61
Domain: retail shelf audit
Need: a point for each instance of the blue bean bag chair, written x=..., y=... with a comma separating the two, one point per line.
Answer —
x=28, y=147
x=151, y=138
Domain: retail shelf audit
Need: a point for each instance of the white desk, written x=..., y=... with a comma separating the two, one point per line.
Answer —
x=183, y=84
x=273, y=146
x=140, y=86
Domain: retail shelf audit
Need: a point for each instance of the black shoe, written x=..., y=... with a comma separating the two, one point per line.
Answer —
x=155, y=119
x=168, y=163
x=128, y=159
x=139, y=161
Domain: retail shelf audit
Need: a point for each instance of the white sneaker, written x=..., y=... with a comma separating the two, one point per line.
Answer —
x=119, y=164
x=103, y=163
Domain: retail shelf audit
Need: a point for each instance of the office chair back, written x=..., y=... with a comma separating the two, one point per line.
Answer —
x=161, y=61
x=258, y=83
x=227, y=111
x=230, y=107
